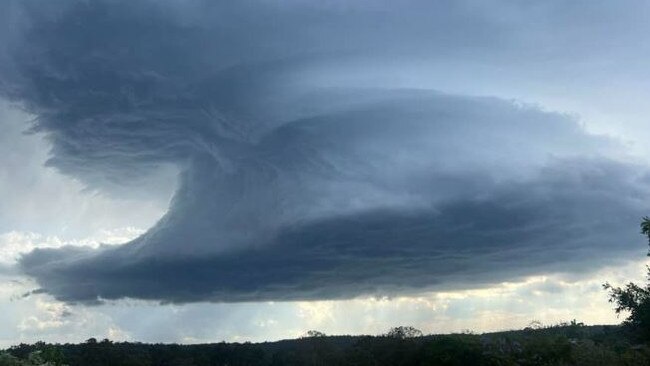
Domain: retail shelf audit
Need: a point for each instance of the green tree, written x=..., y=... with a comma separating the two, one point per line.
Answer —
x=8, y=360
x=634, y=299
x=33, y=359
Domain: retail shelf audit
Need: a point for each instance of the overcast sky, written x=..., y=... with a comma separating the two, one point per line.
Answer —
x=194, y=171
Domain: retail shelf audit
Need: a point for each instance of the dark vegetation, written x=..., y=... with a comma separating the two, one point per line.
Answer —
x=565, y=344
x=570, y=343
x=634, y=299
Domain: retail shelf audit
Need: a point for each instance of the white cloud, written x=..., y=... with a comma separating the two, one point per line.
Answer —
x=15, y=243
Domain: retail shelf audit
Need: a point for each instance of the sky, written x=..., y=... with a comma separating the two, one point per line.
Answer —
x=199, y=171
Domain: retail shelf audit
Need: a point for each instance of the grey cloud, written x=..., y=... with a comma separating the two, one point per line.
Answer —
x=289, y=190
x=550, y=225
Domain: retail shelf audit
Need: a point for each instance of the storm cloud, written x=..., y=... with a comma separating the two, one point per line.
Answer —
x=291, y=187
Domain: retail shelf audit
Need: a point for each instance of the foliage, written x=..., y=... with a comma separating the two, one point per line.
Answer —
x=457, y=350
x=403, y=332
x=35, y=358
x=570, y=343
x=634, y=299
x=314, y=333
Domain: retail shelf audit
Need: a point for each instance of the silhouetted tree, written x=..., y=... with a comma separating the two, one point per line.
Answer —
x=403, y=332
x=634, y=299
x=314, y=333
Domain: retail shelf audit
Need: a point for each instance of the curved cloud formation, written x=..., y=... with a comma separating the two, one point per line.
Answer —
x=292, y=190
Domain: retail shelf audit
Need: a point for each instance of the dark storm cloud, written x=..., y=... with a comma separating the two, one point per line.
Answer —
x=293, y=191
x=464, y=243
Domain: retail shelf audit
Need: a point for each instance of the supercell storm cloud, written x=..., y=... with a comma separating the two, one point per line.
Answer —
x=296, y=181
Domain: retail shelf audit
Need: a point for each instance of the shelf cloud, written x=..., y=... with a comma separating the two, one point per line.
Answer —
x=293, y=188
